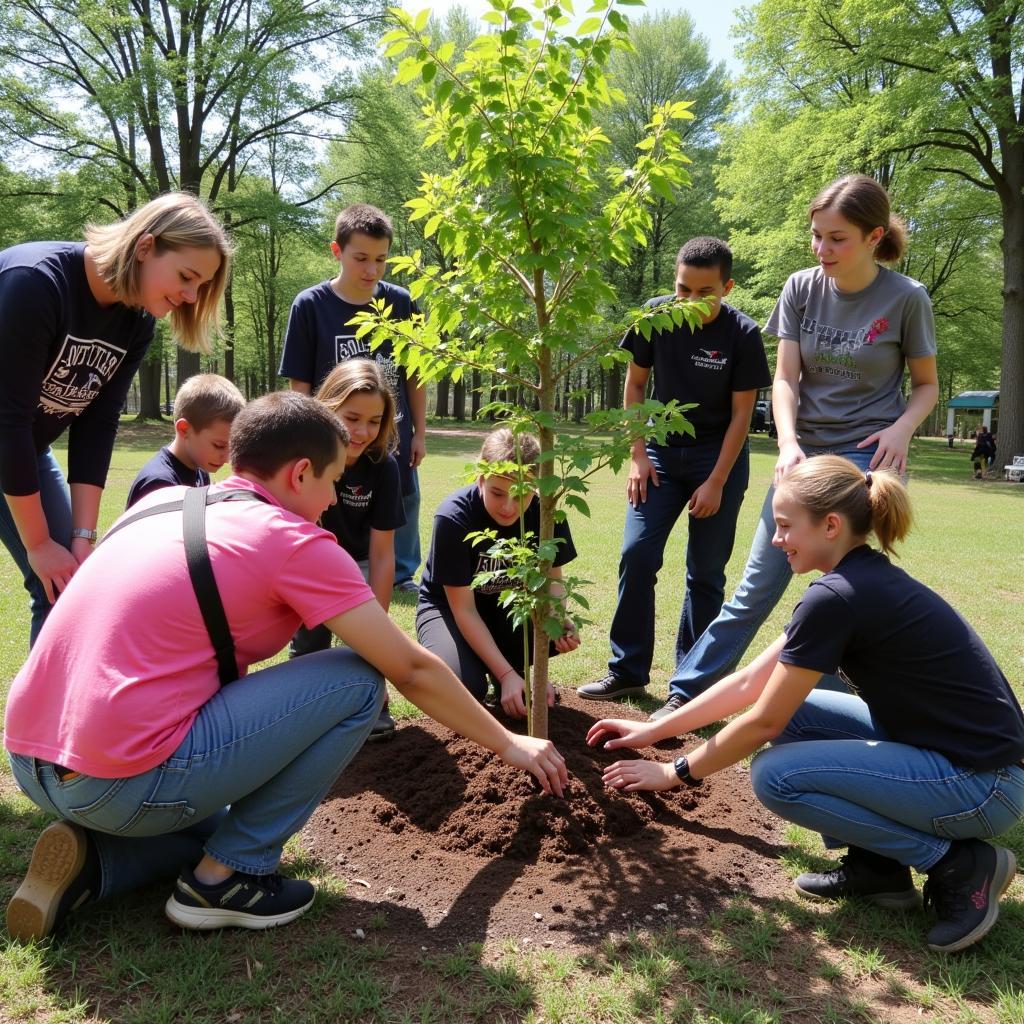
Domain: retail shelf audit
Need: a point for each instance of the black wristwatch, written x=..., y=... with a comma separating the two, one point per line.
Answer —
x=682, y=767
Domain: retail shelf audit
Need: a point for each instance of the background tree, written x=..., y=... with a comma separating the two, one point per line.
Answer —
x=166, y=95
x=947, y=95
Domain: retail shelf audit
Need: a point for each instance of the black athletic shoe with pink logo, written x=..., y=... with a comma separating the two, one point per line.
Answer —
x=964, y=888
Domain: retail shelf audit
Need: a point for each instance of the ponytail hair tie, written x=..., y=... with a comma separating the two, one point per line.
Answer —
x=867, y=479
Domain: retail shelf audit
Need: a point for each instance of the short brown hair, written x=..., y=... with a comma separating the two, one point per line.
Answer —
x=502, y=445
x=362, y=376
x=365, y=219
x=281, y=427
x=863, y=202
x=177, y=220
x=206, y=398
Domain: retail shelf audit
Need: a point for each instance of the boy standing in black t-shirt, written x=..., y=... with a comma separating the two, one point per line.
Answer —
x=720, y=366
x=319, y=336
x=204, y=409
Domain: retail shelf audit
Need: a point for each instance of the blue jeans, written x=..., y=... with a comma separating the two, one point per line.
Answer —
x=56, y=500
x=708, y=547
x=719, y=648
x=407, y=538
x=835, y=771
x=267, y=748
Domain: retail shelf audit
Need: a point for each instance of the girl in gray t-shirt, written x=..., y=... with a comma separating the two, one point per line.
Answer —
x=847, y=328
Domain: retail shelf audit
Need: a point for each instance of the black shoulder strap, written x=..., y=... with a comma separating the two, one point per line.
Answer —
x=200, y=569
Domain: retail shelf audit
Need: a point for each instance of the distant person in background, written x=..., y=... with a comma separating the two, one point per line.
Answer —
x=319, y=336
x=204, y=409
x=75, y=321
x=984, y=452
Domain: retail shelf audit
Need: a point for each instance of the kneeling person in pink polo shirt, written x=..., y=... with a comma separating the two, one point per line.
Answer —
x=121, y=725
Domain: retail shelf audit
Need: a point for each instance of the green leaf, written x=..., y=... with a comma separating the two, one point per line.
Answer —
x=588, y=26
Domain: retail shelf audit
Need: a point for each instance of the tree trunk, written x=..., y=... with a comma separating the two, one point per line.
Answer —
x=149, y=389
x=1010, y=439
x=229, y=332
x=613, y=387
x=188, y=365
x=474, y=400
x=459, y=400
x=444, y=387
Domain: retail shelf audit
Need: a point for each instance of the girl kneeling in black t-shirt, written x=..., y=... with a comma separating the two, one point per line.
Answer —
x=467, y=627
x=916, y=768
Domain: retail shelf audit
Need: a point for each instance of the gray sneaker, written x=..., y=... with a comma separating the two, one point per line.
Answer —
x=609, y=688
x=674, y=703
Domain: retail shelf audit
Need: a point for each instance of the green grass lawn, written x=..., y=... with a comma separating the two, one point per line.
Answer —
x=118, y=963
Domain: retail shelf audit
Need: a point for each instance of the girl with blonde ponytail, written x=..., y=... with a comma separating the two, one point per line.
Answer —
x=917, y=767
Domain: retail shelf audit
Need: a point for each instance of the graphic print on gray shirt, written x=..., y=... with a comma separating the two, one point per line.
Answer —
x=853, y=349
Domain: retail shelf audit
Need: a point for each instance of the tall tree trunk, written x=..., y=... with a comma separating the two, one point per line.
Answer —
x=444, y=387
x=149, y=389
x=474, y=400
x=188, y=365
x=459, y=400
x=229, y=332
x=1010, y=438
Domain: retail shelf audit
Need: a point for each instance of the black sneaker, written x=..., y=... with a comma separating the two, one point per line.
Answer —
x=409, y=586
x=862, y=875
x=609, y=688
x=674, y=703
x=384, y=727
x=63, y=874
x=964, y=888
x=241, y=901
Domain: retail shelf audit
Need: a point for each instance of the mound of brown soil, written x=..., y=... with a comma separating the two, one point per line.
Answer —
x=454, y=846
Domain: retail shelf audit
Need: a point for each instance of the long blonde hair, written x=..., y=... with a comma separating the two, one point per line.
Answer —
x=177, y=220
x=874, y=502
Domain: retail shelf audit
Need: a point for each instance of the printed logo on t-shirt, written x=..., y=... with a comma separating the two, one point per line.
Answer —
x=710, y=359
x=82, y=367
x=347, y=346
x=355, y=495
x=498, y=583
x=834, y=349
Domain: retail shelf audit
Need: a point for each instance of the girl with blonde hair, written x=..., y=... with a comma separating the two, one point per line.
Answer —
x=76, y=319
x=916, y=768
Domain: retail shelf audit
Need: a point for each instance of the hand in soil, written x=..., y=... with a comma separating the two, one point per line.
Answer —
x=539, y=757
x=611, y=733
x=636, y=775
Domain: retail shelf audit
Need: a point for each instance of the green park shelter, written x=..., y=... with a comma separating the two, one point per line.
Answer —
x=985, y=401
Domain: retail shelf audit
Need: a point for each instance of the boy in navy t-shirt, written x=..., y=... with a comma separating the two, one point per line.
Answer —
x=721, y=366
x=204, y=409
x=319, y=336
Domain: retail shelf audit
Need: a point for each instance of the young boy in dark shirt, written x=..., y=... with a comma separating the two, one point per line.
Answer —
x=720, y=366
x=204, y=409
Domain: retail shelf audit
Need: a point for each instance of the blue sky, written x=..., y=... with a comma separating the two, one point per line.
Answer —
x=712, y=20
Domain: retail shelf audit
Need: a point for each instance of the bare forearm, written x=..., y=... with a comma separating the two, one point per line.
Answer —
x=29, y=518
x=732, y=445
x=85, y=505
x=921, y=402
x=475, y=632
x=382, y=577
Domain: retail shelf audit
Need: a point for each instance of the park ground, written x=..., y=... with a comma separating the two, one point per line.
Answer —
x=746, y=952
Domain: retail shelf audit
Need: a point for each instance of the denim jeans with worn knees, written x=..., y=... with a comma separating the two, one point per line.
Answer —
x=834, y=770
x=266, y=747
x=717, y=651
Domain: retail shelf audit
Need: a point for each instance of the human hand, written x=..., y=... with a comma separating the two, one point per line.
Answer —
x=790, y=455
x=619, y=732
x=539, y=757
x=54, y=565
x=513, y=688
x=641, y=469
x=418, y=450
x=569, y=640
x=632, y=776
x=893, y=444
x=706, y=500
